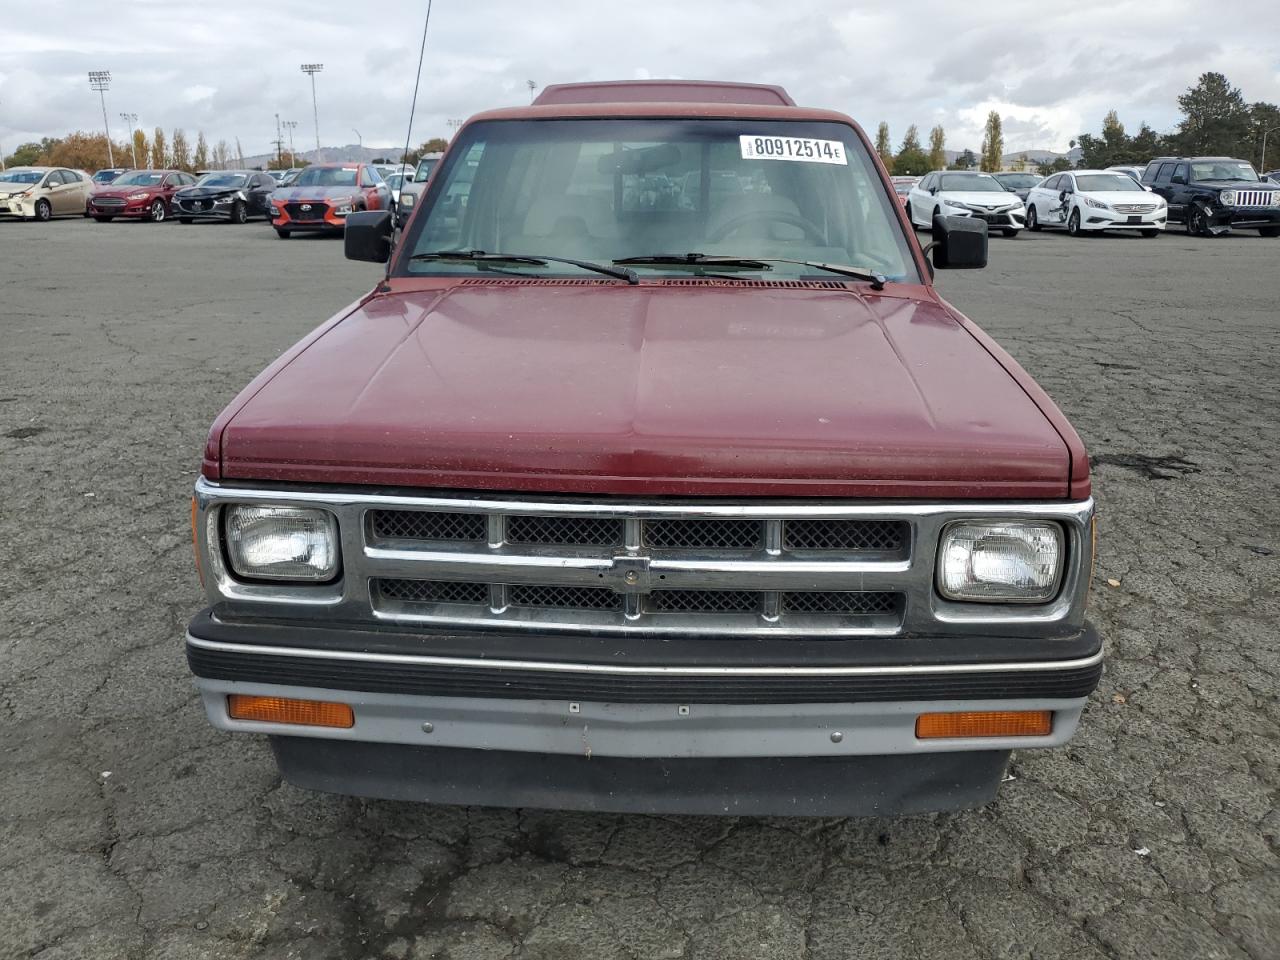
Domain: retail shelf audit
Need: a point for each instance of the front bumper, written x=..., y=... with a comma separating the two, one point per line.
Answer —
x=447, y=704
x=321, y=216
x=1097, y=219
x=1244, y=217
x=17, y=208
x=131, y=208
x=216, y=211
x=1009, y=220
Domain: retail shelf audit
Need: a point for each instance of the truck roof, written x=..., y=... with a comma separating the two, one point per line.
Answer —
x=664, y=91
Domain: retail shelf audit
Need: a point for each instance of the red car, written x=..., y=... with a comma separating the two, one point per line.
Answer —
x=902, y=187
x=145, y=194
x=621, y=492
x=323, y=194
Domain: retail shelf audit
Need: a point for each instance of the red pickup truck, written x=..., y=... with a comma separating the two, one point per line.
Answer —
x=656, y=476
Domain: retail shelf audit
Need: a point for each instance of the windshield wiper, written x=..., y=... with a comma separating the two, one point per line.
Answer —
x=877, y=280
x=540, y=260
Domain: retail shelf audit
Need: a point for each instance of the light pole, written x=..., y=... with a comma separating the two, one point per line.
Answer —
x=130, y=120
x=1263, y=164
x=454, y=124
x=289, y=125
x=100, y=80
x=311, y=69
x=360, y=141
x=532, y=87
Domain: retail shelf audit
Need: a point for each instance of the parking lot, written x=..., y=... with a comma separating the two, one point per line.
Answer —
x=132, y=829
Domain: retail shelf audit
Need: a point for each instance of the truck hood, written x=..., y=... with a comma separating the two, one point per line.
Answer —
x=679, y=389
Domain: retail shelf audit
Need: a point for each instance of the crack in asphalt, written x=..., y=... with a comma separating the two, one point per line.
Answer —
x=194, y=848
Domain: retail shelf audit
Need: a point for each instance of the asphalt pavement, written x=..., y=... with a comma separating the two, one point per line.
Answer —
x=129, y=828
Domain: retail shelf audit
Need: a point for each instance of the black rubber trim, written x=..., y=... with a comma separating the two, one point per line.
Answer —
x=520, y=684
x=647, y=651
x=755, y=786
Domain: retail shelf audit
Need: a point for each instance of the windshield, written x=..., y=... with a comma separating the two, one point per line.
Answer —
x=394, y=180
x=1107, y=183
x=140, y=178
x=1223, y=170
x=603, y=190
x=105, y=176
x=21, y=176
x=222, y=180
x=425, y=167
x=326, y=177
x=971, y=183
x=1018, y=181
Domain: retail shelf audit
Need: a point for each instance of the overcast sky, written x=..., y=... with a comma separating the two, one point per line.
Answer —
x=227, y=67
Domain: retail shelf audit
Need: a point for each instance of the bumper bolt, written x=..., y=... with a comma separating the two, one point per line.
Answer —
x=428, y=727
x=837, y=736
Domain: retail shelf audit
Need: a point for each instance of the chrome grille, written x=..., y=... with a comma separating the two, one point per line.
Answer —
x=839, y=601
x=713, y=534
x=565, y=598
x=1134, y=207
x=108, y=201
x=433, y=591
x=1254, y=198
x=424, y=525
x=566, y=531
x=703, y=601
x=872, y=536
x=803, y=568
x=550, y=597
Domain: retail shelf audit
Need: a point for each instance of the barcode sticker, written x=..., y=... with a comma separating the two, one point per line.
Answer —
x=802, y=149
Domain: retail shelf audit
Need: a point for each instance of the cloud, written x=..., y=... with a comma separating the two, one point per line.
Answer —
x=229, y=68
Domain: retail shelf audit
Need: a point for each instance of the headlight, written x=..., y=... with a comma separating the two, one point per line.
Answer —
x=342, y=208
x=1000, y=561
x=139, y=196
x=406, y=199
x=1275, y=198
x=1090, y=202
x=282, y=543
x=1227, y=198
x=275, y=211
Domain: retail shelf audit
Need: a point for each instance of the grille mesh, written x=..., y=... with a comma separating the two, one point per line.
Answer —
x=837, y=602
x=575, y=531
x=566, y=598
x=426, y=525
x=704, y=601
x=698, y=533
x=435, y=591
x=887, y=536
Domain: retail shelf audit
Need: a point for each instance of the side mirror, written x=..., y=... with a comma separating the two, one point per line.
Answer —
x=959, y=243
x=368, y=236
x=1062, y=197
x=933, y=191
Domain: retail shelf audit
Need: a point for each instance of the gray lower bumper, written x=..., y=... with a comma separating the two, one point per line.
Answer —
x=795, y=786
x=649, y=730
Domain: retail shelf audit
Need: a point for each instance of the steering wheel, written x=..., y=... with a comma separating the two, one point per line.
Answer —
x=812, y=231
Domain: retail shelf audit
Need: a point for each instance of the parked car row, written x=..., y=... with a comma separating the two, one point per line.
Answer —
x=317, y=197
x=1208, y=195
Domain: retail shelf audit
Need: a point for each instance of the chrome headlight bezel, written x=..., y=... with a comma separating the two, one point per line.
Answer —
x=1096, y=204
x=1227, y=198
x=310, y=534
x=994, y=590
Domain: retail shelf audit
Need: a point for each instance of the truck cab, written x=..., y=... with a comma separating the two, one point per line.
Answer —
x=655, y=476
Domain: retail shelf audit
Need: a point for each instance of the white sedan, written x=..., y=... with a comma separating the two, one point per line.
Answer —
x=959, y=193
x=1092, y=200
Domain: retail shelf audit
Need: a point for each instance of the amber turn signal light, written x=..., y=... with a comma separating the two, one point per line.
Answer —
x=984, y=723
x=310, y=713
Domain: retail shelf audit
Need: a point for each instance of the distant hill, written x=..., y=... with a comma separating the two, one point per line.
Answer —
x=350, y=153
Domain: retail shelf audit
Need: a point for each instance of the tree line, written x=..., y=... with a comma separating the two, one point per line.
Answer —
x=88, y=151
x=1216, y=121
